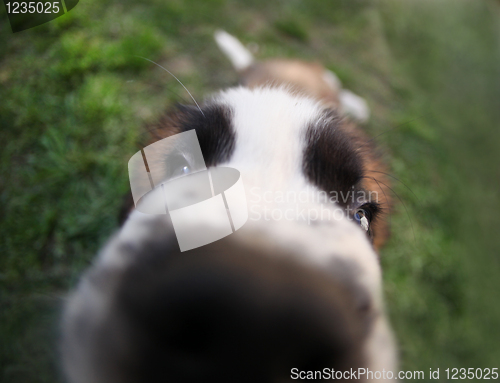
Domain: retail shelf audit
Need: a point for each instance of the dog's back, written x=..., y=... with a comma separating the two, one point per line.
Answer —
x=309, y=79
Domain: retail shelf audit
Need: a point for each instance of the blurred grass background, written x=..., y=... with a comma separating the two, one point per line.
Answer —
x=74, y=101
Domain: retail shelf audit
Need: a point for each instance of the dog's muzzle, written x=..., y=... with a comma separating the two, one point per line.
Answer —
x=248, y=308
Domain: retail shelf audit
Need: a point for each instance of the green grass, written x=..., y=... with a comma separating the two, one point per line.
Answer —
x=74, y=101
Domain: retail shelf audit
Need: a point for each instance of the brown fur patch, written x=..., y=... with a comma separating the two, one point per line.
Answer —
x=304, y=78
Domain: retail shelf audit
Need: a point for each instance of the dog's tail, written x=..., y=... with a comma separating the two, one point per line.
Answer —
x=240, y=57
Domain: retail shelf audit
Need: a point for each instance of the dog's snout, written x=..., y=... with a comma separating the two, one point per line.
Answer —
x=230, y=308
x=227, y=312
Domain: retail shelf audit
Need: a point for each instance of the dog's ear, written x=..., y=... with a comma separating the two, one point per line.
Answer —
x=167, y=125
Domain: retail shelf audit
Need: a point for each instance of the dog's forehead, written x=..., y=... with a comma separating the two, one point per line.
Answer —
x=290, y=136
x=269, y=118
x=269, y=126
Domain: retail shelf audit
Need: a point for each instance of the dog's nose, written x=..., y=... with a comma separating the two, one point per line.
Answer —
x=229, y=311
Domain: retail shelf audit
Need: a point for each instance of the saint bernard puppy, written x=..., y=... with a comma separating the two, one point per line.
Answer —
x=295, y=294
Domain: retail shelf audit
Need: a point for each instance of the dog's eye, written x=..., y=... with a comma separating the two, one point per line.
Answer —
x=177, y=166
x=180, y=171
x=362, y=217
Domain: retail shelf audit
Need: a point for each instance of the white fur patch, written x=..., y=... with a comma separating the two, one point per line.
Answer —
x=332, y=80
x=354, y=106
x=240, y=57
